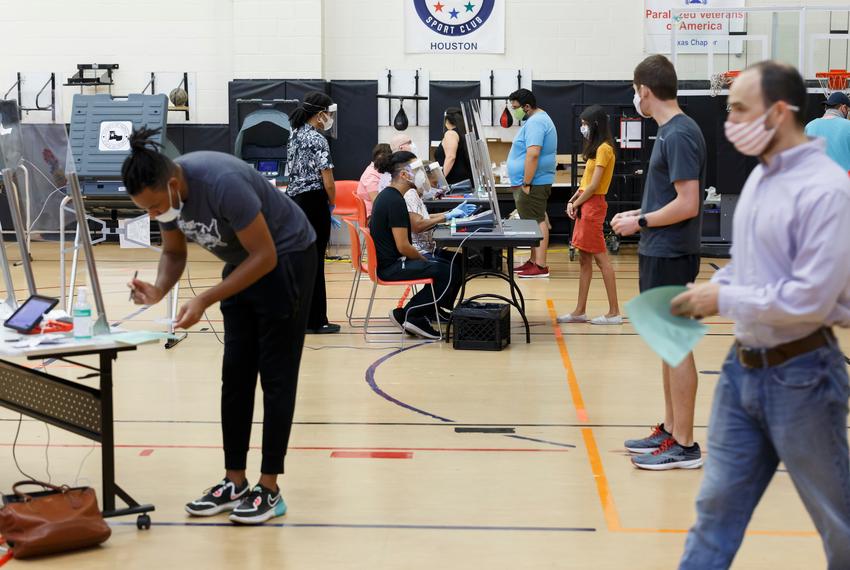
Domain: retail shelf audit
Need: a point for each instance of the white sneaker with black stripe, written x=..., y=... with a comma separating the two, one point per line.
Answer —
x=259, y=506
x=223, y=497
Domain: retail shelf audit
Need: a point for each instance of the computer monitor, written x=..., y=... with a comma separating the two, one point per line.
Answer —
x=269, y=168
x=483, y=179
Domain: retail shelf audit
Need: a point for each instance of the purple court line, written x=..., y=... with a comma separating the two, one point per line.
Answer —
x=370, y=379
x=378, y=526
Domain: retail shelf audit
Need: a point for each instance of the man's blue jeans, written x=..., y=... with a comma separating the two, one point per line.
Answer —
x=795, y=413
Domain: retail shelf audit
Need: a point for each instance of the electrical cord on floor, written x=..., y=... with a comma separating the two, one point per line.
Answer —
x=449, y=284
x=15, y=448
x=206, y=318
x=46, y=449
x=47, y=455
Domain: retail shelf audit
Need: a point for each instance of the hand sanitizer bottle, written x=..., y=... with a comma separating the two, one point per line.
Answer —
x=82, y=315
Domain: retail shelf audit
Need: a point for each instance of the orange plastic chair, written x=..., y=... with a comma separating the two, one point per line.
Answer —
x=361, y=211
x=346, y=196
x=359, y=269
x=372, y=270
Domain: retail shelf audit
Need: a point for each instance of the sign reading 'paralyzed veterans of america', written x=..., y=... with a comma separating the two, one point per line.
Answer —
x=454, y=26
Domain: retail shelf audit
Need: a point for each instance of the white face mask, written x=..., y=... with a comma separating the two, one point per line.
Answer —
x=752, y=138
x=585, y=131
x=636, y=100
x=172, y=213
x=327, y=123
x=420, y=180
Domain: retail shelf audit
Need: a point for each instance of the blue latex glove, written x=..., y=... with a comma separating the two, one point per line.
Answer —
x=334, y=222
x=461, y=211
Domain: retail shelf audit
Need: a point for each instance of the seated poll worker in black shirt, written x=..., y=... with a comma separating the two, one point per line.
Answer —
x=267, y=246
x=398, y=259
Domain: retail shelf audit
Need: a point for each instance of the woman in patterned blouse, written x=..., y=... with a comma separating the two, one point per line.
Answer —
x=311, y=185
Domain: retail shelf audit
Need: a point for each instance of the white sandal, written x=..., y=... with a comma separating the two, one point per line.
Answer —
x=603, y=320
x=570, y=318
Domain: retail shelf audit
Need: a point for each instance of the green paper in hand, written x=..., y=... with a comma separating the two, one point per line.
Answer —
x=671, y=337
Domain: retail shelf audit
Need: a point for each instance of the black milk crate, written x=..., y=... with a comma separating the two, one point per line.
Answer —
x=481, y=326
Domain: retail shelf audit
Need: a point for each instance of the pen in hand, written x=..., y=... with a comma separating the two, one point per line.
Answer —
x=133, y=289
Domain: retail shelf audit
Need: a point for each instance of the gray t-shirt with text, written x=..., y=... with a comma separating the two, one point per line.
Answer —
x=225, y=196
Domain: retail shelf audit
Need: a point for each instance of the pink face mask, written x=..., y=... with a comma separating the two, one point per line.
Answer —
x=752, y=138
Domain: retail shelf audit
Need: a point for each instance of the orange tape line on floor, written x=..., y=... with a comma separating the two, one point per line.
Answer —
x=575, y=392
x=612, y=518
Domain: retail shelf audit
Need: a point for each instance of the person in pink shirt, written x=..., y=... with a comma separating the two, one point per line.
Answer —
x=368, y=187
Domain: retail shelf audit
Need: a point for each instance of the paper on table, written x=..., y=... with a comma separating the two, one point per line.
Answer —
x=138, y=337
x=671, y=337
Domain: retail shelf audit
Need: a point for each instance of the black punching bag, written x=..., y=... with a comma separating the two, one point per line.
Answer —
x=400, y=122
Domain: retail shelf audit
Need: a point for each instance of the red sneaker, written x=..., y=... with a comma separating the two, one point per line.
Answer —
x=535, y=271
x=524, y=266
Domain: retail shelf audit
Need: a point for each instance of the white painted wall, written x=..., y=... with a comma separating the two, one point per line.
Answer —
x=219, y=40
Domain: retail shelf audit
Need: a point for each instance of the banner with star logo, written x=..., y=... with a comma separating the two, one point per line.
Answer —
x=454, y=26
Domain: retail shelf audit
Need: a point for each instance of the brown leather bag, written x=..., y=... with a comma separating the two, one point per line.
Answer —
x=58, y=519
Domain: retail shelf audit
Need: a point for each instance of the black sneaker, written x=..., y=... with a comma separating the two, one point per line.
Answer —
x=225, y=496
x=420, y=327
x=259, y=506
x=329, y=328
x=397, y=318
x=445, y=316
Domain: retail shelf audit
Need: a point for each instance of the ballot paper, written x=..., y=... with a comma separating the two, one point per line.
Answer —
x=671, y=337
x=138, y=337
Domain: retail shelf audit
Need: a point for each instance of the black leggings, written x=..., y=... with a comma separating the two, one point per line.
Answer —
x=264, y=333
x=315, y=206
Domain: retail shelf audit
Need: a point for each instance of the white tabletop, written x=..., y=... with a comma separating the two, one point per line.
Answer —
x=13, y=344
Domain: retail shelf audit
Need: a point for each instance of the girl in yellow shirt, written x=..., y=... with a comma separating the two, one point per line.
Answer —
x=588, y=208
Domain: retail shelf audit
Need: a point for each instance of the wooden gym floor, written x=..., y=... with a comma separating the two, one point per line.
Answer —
x=390, y=465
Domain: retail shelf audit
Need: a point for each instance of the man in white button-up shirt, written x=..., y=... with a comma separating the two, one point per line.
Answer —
x=784, y=389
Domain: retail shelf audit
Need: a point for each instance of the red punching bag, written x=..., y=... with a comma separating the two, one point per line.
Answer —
x=507, y=118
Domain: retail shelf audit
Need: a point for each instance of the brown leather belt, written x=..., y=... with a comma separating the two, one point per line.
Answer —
x=770, y=357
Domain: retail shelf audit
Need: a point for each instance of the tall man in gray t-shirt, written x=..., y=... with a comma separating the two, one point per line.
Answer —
x=669, y=223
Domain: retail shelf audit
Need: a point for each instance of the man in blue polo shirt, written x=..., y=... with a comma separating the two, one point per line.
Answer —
x=834, y=128
x=531, y=168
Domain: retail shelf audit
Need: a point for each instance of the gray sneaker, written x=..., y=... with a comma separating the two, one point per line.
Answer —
x=670, y=455
x=648, y=444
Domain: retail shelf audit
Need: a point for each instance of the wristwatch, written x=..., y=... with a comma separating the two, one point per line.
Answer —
x=642, y=222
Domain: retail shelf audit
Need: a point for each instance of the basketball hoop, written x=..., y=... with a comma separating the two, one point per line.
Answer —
x=720, y=81
x=833, y=80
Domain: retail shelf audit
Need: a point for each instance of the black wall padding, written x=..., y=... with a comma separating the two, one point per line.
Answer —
x=608, y=93
x=358, y=127
x=710, y=114
x=266, y=89
x=558, y=99
x=445, y=94
x=190, y=137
